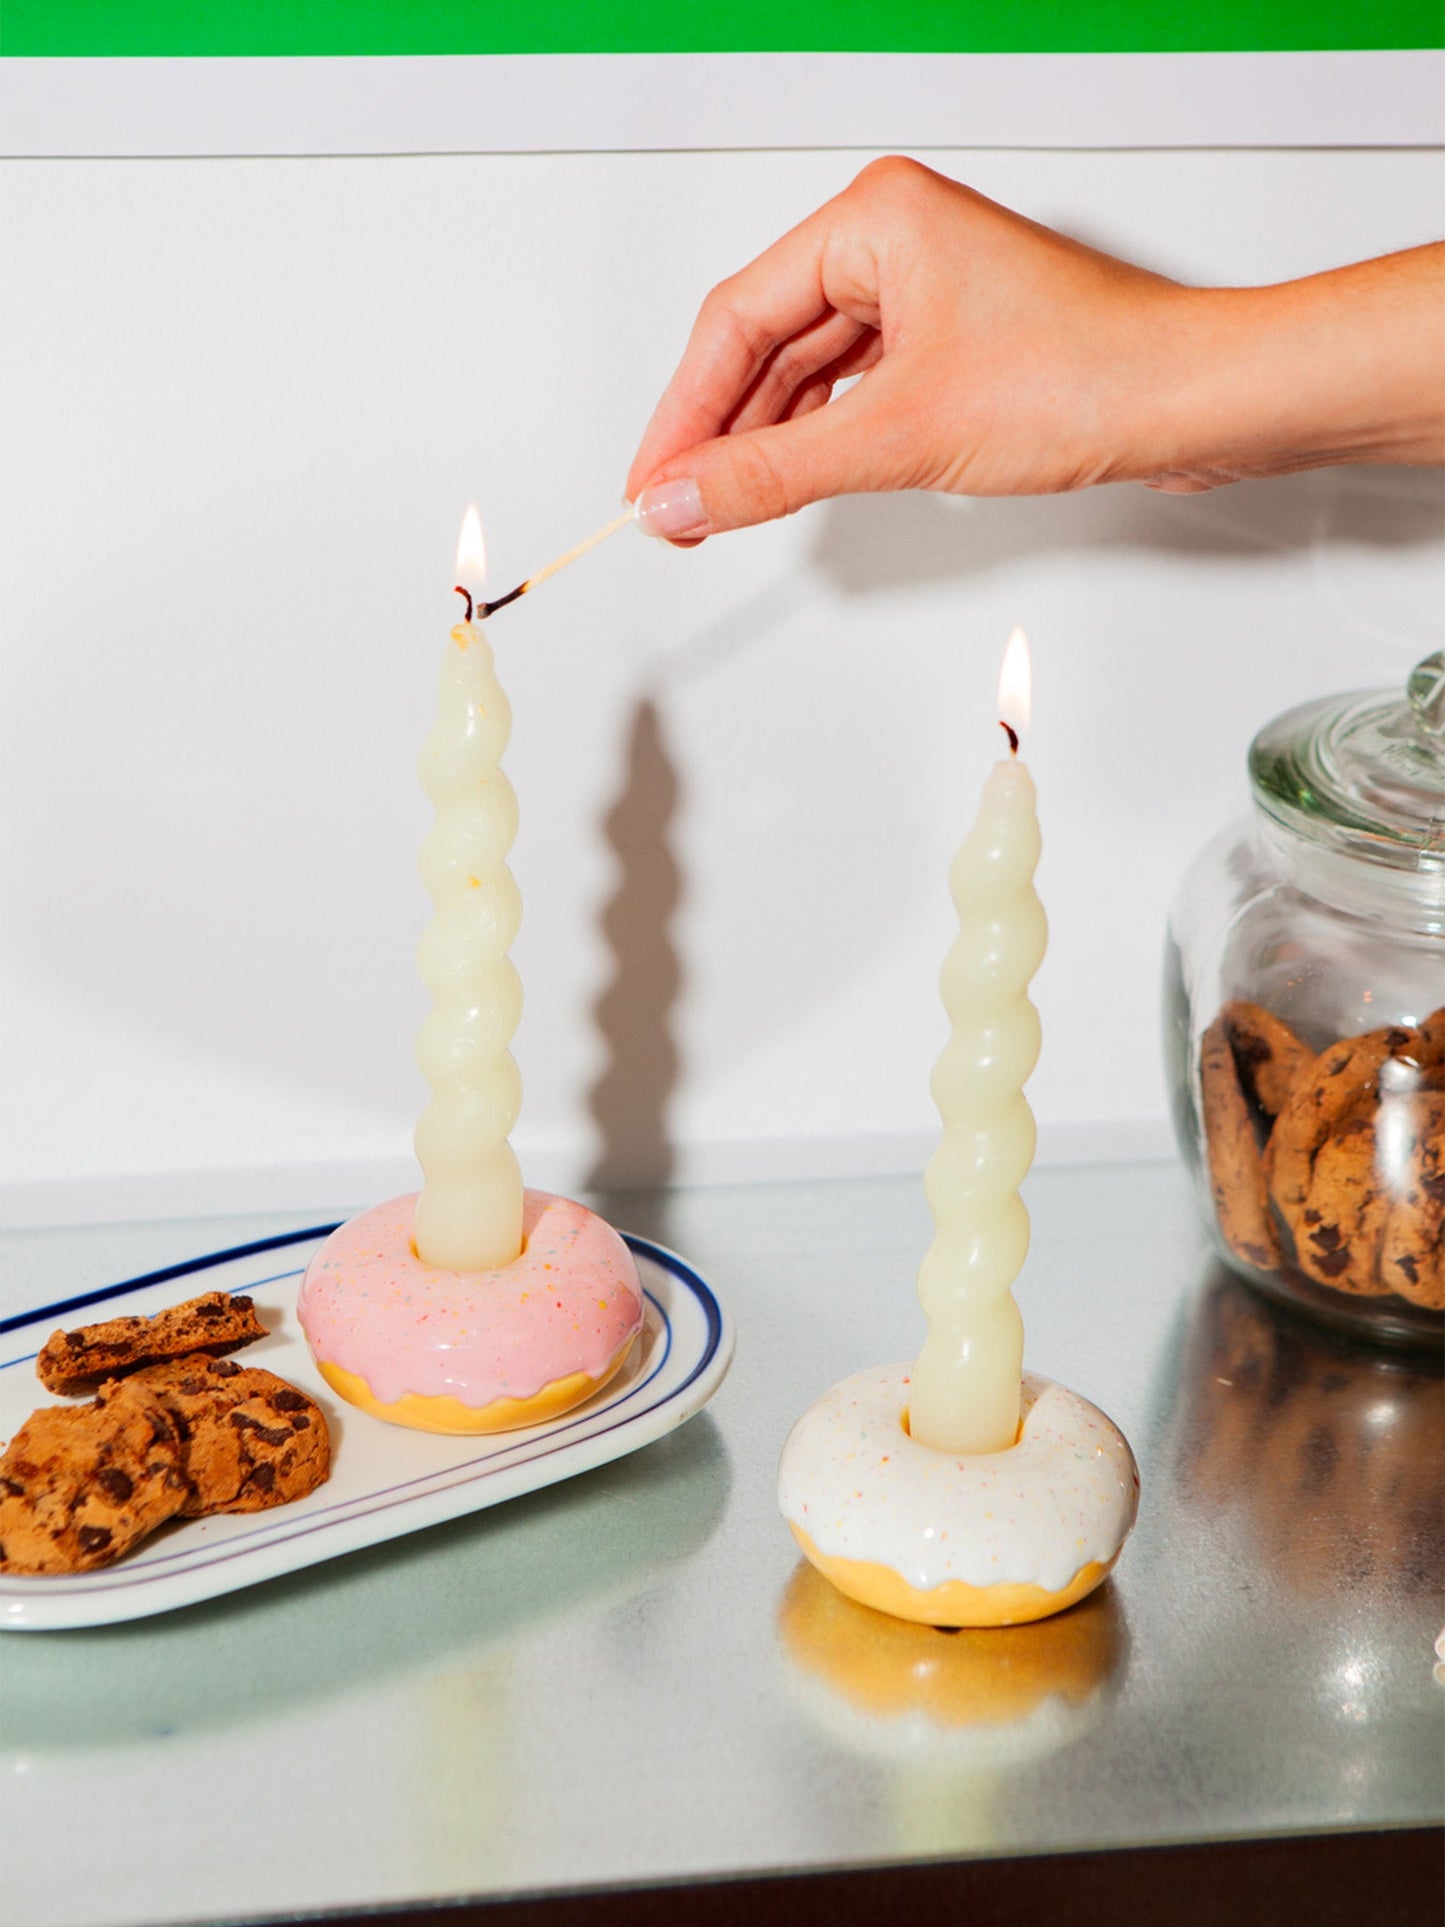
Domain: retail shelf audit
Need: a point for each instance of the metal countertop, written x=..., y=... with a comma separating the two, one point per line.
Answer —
x=631, y=1678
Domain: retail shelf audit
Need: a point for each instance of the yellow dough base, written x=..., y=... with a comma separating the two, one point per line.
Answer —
x=425, y=1414
x=953, y=1603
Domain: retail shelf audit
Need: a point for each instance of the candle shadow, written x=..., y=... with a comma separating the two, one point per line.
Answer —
x=629, y=1100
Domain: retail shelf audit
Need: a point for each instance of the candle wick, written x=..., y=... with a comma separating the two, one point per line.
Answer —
x=1012, y=734
x=468, y=594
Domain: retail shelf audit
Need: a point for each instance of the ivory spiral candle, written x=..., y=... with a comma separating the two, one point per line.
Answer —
x=469, y=1213
x=968, y=1492
x=964, y=1394
x=476, y=1306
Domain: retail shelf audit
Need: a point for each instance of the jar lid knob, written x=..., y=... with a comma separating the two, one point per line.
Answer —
x=1426, y=690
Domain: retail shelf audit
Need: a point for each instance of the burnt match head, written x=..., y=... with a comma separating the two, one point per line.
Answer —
x=486, y=609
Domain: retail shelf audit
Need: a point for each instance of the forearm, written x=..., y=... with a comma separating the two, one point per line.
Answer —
x=1347, y=366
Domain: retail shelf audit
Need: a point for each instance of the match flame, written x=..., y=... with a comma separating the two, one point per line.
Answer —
x=1015, y=683
x=471, y=552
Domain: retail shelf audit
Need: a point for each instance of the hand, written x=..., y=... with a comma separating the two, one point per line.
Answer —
x=1000, y=358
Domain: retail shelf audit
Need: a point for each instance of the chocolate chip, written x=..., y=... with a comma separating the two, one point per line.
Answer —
x=93, y=1538
x=224, y=1367
x=264, y=1476
x=288, y=1399
x=115, y=1484
x=269, y=1434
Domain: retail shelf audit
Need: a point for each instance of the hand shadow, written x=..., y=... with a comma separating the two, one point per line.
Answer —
x=868, y=545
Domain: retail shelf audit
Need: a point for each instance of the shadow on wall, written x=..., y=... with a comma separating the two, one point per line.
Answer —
x=867, y=544
x=629, y=1101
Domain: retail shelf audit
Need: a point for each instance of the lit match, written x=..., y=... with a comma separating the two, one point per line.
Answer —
x=485, y=609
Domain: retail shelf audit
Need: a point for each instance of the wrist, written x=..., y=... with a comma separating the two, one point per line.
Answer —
x=1347, y=366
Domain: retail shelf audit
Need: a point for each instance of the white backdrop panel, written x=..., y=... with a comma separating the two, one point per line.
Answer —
x=245, y=404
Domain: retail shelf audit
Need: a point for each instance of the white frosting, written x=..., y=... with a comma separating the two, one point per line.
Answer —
x=1064, y=1496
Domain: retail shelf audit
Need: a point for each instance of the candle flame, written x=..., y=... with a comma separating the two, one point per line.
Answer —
x=1015, y=683
x=471, y=552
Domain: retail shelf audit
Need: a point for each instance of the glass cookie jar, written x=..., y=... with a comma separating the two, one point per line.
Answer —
x=1304, y=1030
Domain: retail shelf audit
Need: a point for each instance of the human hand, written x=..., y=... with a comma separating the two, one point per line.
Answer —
x=1000, y=358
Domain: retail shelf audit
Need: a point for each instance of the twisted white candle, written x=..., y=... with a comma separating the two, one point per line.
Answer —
x=469, y=1214
x=964, y=1395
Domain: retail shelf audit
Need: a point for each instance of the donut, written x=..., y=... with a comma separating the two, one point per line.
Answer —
x=471, y=1351
x=958, y=1539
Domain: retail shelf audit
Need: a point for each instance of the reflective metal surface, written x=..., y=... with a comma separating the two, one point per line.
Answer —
x=632, y=1677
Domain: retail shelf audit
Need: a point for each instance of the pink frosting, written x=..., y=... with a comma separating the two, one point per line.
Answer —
x=567, y=1304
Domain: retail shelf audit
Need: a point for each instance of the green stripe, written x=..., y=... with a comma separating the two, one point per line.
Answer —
x=283, y=27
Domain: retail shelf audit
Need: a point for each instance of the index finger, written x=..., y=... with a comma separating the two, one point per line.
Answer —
x=743, y=321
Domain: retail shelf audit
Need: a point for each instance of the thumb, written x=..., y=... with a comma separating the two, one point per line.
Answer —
x=737, y=481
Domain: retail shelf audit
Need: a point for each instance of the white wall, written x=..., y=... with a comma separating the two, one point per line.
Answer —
x=245, y=403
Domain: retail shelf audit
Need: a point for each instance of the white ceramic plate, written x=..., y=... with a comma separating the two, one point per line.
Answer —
x=385, y=1480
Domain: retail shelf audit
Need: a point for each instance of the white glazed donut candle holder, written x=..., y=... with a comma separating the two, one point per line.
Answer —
x=958, y=1539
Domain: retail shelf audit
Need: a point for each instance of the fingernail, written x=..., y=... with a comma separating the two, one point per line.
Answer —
x=672, y=508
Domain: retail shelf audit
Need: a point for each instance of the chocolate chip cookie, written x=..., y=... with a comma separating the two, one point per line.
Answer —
x=248, y=1439
x=79, y=1486
x=1236, y=1169
x=78, y=1362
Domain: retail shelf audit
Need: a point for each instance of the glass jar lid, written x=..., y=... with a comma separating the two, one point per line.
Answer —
x=1364, y=774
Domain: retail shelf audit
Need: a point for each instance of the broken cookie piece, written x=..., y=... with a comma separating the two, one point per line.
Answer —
x=78, y=1362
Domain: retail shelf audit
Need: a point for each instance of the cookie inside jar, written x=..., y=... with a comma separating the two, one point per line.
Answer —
x=1304, y=1023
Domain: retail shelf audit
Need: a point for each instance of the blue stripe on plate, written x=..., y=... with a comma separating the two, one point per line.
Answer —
x=212, y=1259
